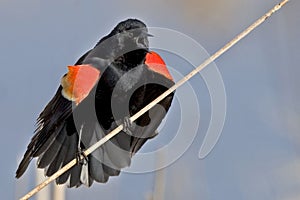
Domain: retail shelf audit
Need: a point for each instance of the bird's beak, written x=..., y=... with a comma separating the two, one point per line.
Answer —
x=145, y=33
x=150, y=35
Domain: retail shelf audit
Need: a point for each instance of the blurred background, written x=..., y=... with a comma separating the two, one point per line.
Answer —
x=258, y=154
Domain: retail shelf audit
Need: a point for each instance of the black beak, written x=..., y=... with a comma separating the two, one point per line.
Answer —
x=149, y=35
x=145, y=33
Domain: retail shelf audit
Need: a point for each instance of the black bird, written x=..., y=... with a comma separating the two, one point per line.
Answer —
x=107, y=85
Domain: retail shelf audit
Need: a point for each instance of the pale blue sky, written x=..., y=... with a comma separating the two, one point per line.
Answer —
x=257, y=156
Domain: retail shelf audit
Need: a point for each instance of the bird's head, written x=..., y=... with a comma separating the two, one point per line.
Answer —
x=132, y=33
x=127, y=42
x=128, y=35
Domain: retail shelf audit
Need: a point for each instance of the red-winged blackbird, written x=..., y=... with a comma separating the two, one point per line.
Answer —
x=106, y=86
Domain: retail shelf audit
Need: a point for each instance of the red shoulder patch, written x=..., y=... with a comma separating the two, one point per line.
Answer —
x=157, y=64
x=79, y=81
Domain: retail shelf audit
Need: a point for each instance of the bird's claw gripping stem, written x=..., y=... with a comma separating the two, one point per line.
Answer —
x=81, y=157
x=127, y=125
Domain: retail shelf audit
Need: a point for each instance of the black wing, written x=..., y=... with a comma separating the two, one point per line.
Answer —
x=51, y=135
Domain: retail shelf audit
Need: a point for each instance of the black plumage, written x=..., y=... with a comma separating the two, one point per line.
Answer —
x=125, y=86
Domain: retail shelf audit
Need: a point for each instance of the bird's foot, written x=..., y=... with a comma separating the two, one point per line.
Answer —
x=81, y=157
x=127, y=125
